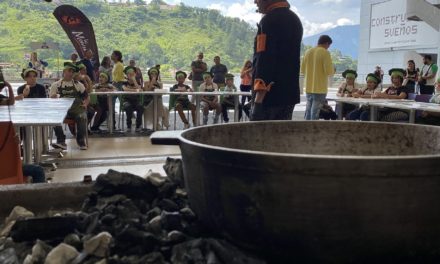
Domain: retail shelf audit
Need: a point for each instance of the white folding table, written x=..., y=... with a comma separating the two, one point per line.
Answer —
x=35, y=115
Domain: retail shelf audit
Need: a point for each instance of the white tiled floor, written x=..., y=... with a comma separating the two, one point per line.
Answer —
x=105, y=148
x=119, y=147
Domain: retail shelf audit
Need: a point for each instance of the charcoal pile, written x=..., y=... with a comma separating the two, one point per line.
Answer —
x=126, y=219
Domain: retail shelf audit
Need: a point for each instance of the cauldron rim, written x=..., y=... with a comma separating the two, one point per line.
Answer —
x=184, y=140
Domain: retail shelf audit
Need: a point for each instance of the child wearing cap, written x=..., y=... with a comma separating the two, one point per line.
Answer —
x=132, y=103
x=83, y=78
x=347, y=88
x=31, y=89
x=104, y=85
x=395, y=91
x=67, y=87
x=228, y=101
x=363, y=112
x=182, y=101
x=152, y=84
x=209, y=102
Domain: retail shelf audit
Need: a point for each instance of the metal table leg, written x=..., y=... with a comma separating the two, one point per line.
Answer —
x=38, y=144
x=236, y=108
x=155, y=114
x=339, y=106
x=197, y=110
x=27, y=145
x=412, y=116
x=45, y=131
x=373, y=113
x=144, y=119
x=110, y=120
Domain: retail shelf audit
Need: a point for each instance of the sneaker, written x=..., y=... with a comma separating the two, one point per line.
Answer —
x=138, y=129
x=83, y=147
x=62, y=146
x=186, y=126
x=96, y=130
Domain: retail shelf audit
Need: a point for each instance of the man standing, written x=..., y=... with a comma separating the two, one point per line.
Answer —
x=198, y=67
x=427, y=76
x=276, y=62
x=219, y=71
x=87, y=61
x=317, y=66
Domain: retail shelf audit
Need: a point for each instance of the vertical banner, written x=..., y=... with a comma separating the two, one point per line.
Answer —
x=79, y=29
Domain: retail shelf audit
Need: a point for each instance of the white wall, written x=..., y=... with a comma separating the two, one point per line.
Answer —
x=387, y=58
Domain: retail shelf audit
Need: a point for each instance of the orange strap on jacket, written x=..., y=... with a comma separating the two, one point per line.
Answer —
x=277, y=5
x=260, y=85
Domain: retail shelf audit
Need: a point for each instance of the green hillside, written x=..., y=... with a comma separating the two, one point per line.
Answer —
x=151, y=34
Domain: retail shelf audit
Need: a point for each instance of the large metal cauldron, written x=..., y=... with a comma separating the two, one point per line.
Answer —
x=309, y=192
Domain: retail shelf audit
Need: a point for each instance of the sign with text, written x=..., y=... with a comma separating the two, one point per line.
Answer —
x=389, y=27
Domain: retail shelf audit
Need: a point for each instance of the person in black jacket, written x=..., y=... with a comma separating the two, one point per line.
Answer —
x=31, y=89
x=276, y=62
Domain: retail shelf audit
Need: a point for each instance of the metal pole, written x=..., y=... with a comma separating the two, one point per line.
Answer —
x=197, y=110
x=110, y=120
x=155, y=114
x=373, y=113
x=37, y=143
x=58, y=66
x=339, y=106
x=27, y=145
x=45, y=136
x=236, y=108
x=412, y=116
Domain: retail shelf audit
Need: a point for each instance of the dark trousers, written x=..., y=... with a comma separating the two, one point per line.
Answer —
x=411, y=86
x=362, y=114
x=101, y=112
x=245, y=88
x=81, y=125
x=247, y=109
x=227, y=105
x=426, y=89
x=34, y=171
x=90, y=113
x=429, y=120
x=327, y=114
x=346, y=109
x=130, y=107
x=261, y=113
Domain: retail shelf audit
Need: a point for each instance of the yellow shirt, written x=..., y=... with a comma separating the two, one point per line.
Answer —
x=316, y=67
x=118, y=72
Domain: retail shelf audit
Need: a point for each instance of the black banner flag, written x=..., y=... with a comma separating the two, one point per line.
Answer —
x=79, y=29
